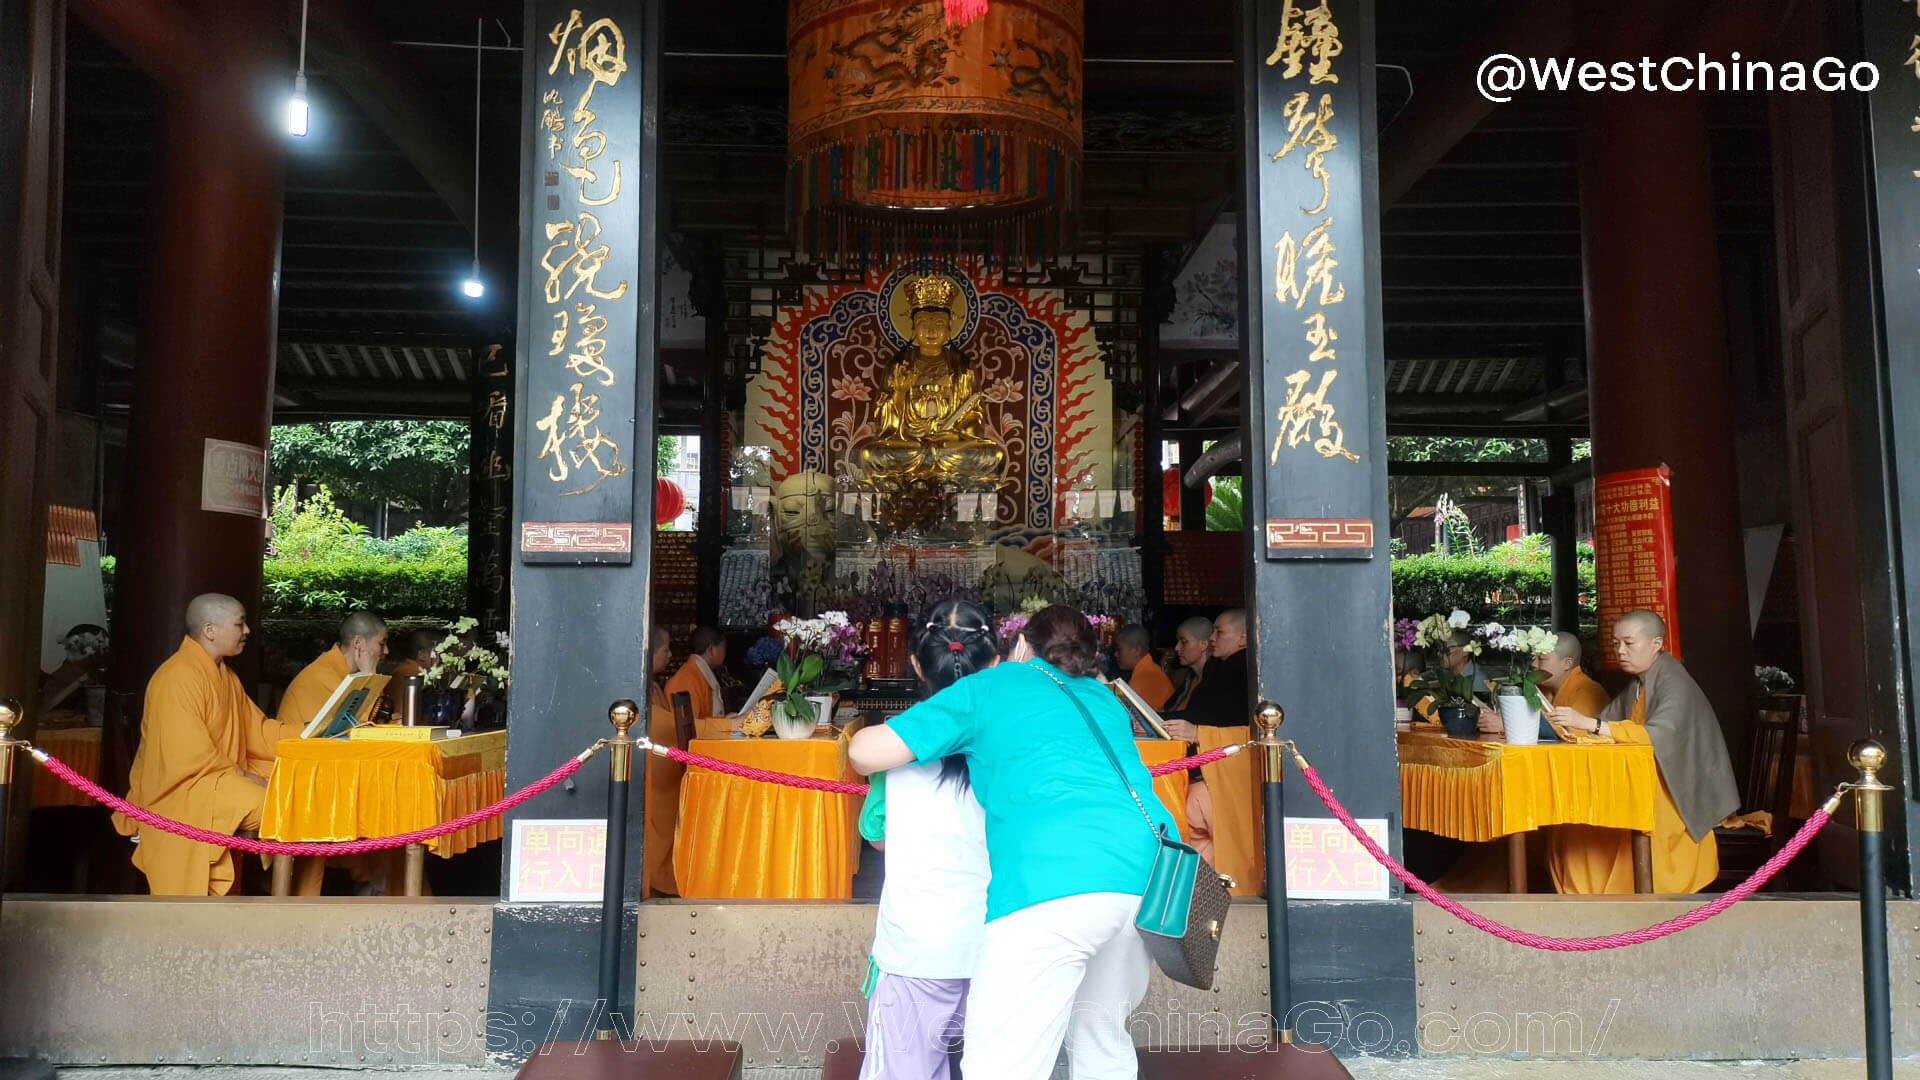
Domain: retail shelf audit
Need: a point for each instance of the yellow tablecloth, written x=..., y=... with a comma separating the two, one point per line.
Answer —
x=1474, y=791
x=78, y=747
x=351, y=789
x=742, y=839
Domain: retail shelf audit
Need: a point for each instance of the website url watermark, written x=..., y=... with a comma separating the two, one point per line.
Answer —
x=1503, y=75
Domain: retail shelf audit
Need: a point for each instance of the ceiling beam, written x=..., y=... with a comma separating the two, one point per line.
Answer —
x=1451, y=105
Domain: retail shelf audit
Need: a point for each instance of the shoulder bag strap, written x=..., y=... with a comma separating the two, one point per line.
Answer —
x=1105, y=748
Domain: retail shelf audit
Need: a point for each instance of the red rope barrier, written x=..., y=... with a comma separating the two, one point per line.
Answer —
x=277, y=847
x=845, y=787
x=1593, y=944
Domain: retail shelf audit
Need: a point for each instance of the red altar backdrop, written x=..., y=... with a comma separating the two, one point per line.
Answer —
x=1633, y=552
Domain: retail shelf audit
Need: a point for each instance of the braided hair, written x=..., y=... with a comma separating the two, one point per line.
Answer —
x=954, y=641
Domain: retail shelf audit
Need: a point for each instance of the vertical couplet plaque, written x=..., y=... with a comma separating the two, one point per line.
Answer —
x=582, y=296
x=1633, y=551
x=1315, y=328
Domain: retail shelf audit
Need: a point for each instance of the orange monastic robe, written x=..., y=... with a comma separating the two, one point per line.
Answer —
x=311, y=688
x=1238, y=848
x=1150, y=683
x=663, y=805
x=690, y=680
x=198, y=732
x=1581, y=694
x=1585, y=859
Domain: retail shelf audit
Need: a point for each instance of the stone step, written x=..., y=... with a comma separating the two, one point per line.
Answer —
x=612, y=1060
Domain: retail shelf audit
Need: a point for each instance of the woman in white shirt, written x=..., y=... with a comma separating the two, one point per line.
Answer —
x=933, y=906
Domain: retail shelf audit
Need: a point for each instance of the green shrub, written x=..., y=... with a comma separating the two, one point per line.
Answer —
x=433, y=587
x=1513, y=581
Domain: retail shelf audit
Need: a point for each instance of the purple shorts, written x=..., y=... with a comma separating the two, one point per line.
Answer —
x=911, y=1024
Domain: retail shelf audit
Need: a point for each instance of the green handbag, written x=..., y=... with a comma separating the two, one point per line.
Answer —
x=1184, y=904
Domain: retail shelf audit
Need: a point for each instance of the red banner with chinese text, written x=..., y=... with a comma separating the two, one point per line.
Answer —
x=1633, y=552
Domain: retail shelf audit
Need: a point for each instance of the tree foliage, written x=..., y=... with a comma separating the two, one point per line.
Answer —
x=1406, y=494
x=419, y=466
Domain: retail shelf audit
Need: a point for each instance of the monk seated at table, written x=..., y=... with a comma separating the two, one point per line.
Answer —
x=1220, y=797
x=1562, y=684
x=1134, y=650
x=205, y=751
x=662, y=813
x=362, y=645
x=698, y=678
x=1663, y=707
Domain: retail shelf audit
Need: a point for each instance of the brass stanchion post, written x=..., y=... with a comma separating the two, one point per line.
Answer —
x=10, y=715
x=1868, y=756
x=623, y=714
x=1267, y=718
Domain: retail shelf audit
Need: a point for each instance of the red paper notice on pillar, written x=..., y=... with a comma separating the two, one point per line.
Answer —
x=1633, y=552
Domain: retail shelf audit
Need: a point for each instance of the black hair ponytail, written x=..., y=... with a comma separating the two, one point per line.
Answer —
x=954, y=641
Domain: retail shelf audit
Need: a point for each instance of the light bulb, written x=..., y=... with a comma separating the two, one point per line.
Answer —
x=297, y=109
x=474, y=287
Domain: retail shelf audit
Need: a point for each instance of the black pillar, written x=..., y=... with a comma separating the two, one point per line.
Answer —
x=584, y=537
x=1559, y=519
x=710, y=540
x=490, y=539
x=1316, y=474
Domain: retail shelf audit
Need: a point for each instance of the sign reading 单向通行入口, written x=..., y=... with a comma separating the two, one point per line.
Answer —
x=1633, y=551
x=557, y=861
x=1311, y=334
x=583, y=255
x=1325, y=862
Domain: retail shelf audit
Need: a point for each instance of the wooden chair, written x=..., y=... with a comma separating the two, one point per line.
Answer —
x=1773, y=741
x=683, y=733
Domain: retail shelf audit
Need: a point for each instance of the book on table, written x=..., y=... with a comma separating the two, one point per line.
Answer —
x=350, y=705
x=1146, y=722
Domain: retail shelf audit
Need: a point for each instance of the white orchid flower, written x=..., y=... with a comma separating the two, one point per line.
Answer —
x=1458, y=620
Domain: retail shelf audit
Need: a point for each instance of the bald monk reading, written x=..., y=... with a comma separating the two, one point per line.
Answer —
x=1562, y=683
x=362, y=645
x=1134, y=650
x=1663, y=707
x=696, y=677
x=205, y=750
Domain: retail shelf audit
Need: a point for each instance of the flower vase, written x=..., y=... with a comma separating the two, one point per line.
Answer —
x=1521, y=720
x=823, y=706
x=1461, y=723
x=788, y=726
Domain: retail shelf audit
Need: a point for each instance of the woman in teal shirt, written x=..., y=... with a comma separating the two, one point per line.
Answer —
x=1070, y=855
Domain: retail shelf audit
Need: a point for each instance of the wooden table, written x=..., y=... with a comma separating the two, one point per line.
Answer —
x=1477, y=790
x=743, y=839
x=329, y=790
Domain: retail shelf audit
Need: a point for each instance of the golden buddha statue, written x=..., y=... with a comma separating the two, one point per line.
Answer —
x=933, y=424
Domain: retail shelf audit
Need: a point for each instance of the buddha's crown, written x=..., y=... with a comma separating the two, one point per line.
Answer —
x=930, y=293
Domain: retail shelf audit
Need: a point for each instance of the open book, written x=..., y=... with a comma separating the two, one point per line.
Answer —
x=1146, y=722
x=350, y=705
x=760, y=691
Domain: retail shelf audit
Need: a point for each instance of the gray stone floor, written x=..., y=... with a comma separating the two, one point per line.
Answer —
x=1362, y=1069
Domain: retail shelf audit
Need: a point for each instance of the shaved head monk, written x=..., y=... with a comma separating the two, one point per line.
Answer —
x=205, y=750
x=1663, y=708
x=362, y=645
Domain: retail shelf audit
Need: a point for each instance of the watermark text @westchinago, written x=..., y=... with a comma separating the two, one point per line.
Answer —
x=1503, y=75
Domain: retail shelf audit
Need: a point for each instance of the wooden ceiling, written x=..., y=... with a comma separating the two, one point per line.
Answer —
x=1480, y=258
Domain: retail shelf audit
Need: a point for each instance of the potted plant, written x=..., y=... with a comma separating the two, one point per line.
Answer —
x=462, y=669
x=822, y=657
x=1519, y=692
x=1452, y=693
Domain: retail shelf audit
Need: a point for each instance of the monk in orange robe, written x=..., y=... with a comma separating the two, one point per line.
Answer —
x=663, y=783
x=205, y=751
x=697, y=677
x=1133, y=649
x=362, y=645
x=1666, y=709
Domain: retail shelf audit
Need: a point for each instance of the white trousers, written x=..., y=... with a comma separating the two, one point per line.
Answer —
x=1070, y=970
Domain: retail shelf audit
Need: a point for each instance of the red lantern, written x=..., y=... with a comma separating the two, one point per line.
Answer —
x=668, y=501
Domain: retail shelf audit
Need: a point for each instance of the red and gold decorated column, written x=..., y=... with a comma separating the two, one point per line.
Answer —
x=893, y=108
